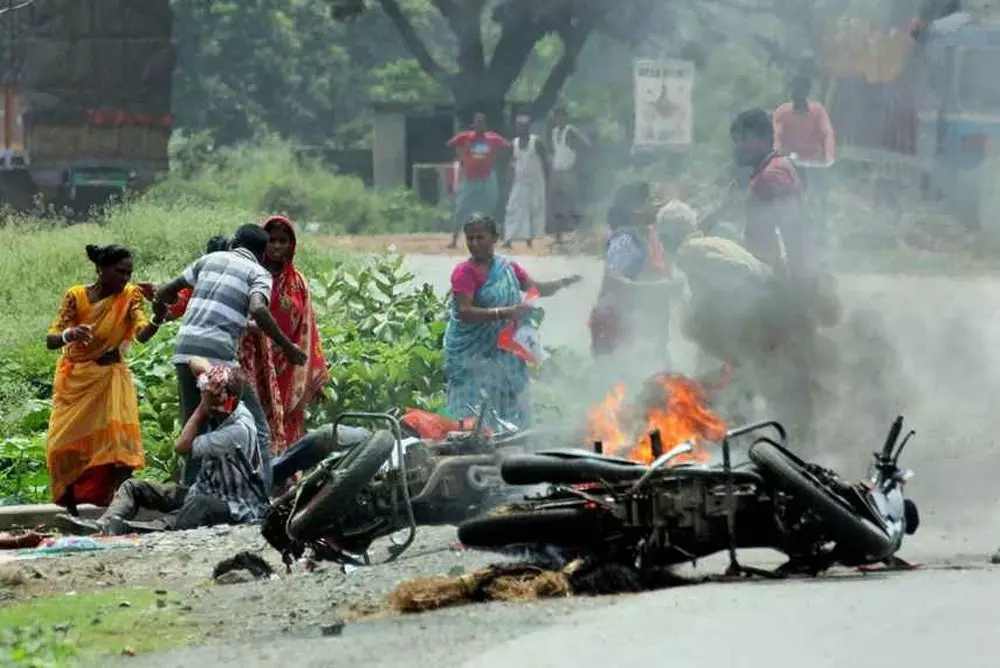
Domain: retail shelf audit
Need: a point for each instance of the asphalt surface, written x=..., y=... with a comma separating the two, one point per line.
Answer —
x=939, y=368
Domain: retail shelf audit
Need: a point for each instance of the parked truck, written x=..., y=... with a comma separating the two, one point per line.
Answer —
x=86, y=87
x=922, y=102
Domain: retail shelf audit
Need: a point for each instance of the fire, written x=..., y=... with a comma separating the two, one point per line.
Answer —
x=669, y=403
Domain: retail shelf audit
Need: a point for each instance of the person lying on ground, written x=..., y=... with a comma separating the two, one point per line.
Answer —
x=229, y=288
x=487, y=295
x=94, y=440
x=232, y=479
x=284, y=389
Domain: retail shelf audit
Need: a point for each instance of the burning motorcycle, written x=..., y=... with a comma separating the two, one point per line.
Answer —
x=387, y=483
x=652, y=516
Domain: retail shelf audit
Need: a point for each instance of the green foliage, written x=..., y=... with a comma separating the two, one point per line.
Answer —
x=35, y=647
x=90, y=628
x=383, y=339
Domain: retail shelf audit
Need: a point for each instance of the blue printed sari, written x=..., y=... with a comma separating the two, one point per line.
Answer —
x=473, y=363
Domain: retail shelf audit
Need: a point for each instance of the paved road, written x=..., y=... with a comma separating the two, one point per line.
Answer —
x=945, y=334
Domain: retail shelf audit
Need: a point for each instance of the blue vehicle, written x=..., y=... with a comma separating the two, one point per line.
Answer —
x=938, y=111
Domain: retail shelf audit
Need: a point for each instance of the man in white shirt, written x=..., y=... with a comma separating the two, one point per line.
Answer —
x=567, y=143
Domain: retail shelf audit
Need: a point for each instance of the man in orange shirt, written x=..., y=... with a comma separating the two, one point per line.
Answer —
x=802, y=129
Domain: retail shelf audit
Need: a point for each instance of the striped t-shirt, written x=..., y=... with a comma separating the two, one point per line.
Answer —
x=217, y=313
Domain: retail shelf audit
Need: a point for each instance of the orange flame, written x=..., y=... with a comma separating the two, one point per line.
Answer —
x=669, y=403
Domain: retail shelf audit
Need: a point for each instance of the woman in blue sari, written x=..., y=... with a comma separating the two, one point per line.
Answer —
x=486, y=295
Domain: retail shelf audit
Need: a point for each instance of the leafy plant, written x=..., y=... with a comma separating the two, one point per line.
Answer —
x=35, y=647
x=383, y=338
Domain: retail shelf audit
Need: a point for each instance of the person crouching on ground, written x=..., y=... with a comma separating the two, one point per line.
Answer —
x=229, y=488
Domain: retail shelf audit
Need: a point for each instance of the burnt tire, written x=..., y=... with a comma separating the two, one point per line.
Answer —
x=563, y=527
x=854, y=535
x=347, y=482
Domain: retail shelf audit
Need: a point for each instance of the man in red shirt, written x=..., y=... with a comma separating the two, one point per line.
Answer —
x=803, y=129
x=478, y=190
x=774, y=199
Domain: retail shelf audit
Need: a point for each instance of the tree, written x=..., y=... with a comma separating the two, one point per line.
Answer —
x=480, y=83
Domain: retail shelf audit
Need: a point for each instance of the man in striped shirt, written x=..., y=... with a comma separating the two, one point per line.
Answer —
x=228, y=288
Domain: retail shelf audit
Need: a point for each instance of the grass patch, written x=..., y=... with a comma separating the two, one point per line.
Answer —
x=60, y=630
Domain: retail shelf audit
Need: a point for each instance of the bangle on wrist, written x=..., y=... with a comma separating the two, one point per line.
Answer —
x=156, y=322
x=65, y=332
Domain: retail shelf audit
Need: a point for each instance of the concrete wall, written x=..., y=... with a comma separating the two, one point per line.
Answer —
x=389, y=149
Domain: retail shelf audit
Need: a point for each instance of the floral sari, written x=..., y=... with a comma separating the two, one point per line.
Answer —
x=285, y=390
x=94, y=428
x=474, y=365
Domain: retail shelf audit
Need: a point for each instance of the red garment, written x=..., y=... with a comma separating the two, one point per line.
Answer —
x=477, y=153
x=468, y=277
x=773, y=198
x=808, y=134
x=291, y=306
x=177, y=309
x=608, y=329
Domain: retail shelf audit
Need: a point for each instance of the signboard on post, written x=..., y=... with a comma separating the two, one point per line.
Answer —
x=663, y=104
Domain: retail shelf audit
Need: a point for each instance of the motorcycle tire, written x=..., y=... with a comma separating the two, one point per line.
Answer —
x=854, y=535
x=343, y=488
x=562, y=527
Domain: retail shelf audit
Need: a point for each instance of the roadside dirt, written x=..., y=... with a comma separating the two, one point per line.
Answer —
x=300, y=602
x=437, y=244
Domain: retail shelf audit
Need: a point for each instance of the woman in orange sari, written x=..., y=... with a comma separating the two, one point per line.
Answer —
x=285, y=390
x=94, y=441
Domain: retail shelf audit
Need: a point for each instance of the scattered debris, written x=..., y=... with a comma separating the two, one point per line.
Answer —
x=235, y=577
x=129, y=651
x=512, y=582
x=334, y=629
x=244, y=561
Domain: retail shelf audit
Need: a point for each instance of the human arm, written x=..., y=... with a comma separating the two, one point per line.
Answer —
x=543, y=154
x=66, y=327
x=829, y=136
x=468, y=312
x=778, y=122
x=185, y=441
x=577, y=140
x=544, y=288
x=261, y=315
x=146, y=329
x=167, y=293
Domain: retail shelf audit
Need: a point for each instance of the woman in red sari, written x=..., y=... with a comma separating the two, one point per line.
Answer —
x=285, y=390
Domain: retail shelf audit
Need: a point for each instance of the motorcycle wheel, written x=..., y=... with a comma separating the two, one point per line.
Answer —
x=343, y=488
x=854, y=535
x=562, y=527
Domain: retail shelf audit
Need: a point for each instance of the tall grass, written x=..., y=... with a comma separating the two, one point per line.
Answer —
x=167, y=227
x=38, y=260
x=272, y=176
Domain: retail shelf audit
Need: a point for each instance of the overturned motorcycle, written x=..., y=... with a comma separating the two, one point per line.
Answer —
x=385, y=484
x=648, y=518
